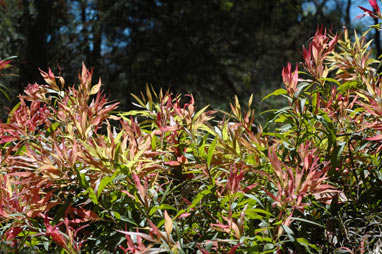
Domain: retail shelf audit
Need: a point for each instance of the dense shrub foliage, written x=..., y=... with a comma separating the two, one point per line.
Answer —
x=77, y=176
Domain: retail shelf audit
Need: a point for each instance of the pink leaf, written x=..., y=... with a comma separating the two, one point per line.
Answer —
x=140, y=187
x=375, y=138
x=6, y=139
x=375, y=6
x=234, y=248
x=13, y=232
x=184, y=215
x=172, y=163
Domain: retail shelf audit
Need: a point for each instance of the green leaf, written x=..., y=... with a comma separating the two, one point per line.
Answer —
x=306, y=244
x=343, y=251
x=134, y=113
x=52, y=128
x=92, y=195
x=253, y=197
x=250, y=101
x=82, y=178
x=347, y=85
x=258, y=210
x=278, y=92
x=196, y=116
x=124, y=218
x=211, y=151
x=269, y=247
x=138, y=100
x=161, y=207
x=314, y=101
x=149, y=97
x=300, y=88
x=105, y=181
x=195, y=201
x=5, y=93
x=281, y=119
x=201, y=150
x=12, y=111
x=289, y=232
x=302, y=240
x=208, y=129
x=224, y=131
x=332, y=80
x=46, y=245
x=341, y=147
x=253, y=215
x=307, y=221
x=95, y=89
x=16, y=215
x=116, y=215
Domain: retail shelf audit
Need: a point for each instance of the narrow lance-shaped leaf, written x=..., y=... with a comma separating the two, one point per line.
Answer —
x=167, y=224
x=104, y=182
x=211, y=151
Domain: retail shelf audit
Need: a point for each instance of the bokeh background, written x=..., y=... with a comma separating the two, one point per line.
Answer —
x=213, y=49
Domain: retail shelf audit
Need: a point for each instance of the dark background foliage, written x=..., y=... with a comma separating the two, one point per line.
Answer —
x=213, y=49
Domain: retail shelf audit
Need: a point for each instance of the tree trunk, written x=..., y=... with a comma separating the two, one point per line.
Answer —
x=347, y=15
x=36, y=31
x=377, y=40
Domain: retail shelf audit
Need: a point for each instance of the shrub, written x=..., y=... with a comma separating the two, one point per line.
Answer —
x=77, y=176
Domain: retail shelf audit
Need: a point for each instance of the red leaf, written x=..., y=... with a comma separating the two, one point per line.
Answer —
x=374, y=4
x=6, y=139
x=141, y=189
x=56, y=235
x=155, y=230
x=250, y=187
x=375, y=138
x=184, y=215
x=203, y=250
x=366, y=13
x=4, y=64
x=233, y=249
x=172, y=163
x=128, y=194
x=13, y=232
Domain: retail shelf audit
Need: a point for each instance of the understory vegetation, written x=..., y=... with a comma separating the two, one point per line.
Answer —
x=79, y=176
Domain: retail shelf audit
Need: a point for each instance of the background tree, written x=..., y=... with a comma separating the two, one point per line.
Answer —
x=214, y=48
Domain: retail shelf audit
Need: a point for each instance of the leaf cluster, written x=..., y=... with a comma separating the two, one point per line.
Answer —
x=78, y=176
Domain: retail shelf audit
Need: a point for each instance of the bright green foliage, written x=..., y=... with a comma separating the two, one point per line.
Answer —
x=79, y=177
